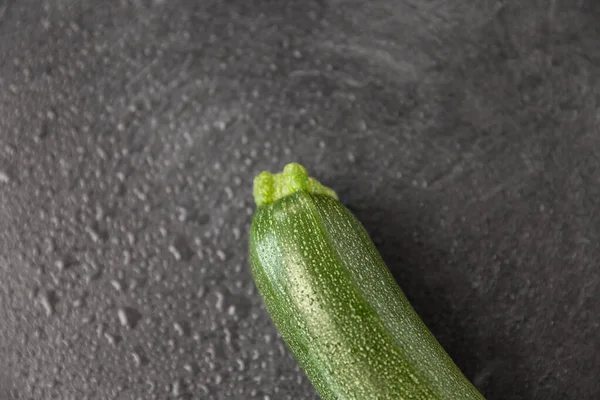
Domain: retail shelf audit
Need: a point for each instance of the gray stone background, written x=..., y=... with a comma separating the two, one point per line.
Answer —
x=463, y=134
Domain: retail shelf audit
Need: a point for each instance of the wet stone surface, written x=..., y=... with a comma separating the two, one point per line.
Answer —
x=464, y=135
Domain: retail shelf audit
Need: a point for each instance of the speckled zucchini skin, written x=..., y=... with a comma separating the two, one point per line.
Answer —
x=339, y=309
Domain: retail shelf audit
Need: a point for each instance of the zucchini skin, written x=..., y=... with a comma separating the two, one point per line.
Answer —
x=339, y=309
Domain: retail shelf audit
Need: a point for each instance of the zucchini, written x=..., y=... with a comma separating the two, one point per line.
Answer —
x=335, y=303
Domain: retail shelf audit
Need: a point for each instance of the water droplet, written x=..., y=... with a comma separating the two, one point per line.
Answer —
x=94, y=274
x=128, y=317
x=191, y=368
x=48, y=300
x=137, y=359
x=94, y=235
x=219, y=302
x=220, y=125
x=100, y=329
x=180, y=249
x=177, y=388
x=171, y=345
x=182, y=214
x=231, y=310
x=117, y=285
x=99, y=213
x=163, y=231
x=101, y=153
x=126, y=257
x=182, y=328
x=60, y=265
x=228, y=335
x=50, y=247
x=4, y=177
x=110, y=338
x=218, y=379
x=240, y=364
x=175, y=252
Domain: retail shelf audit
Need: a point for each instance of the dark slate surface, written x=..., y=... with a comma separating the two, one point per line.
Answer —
x=465, y=135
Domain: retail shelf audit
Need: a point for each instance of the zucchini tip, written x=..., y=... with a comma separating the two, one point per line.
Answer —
x=270, y=187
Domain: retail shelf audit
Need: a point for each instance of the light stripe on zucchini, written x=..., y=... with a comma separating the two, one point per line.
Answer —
x=335, y=303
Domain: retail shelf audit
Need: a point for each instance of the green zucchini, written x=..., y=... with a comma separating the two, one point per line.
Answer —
x=336, y=304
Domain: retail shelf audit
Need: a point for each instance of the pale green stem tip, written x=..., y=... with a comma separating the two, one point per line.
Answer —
x=269, y=187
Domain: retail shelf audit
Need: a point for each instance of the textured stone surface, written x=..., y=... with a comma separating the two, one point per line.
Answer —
x=465, y=135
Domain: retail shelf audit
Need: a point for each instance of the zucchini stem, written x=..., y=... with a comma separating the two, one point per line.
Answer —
x=268, y=187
